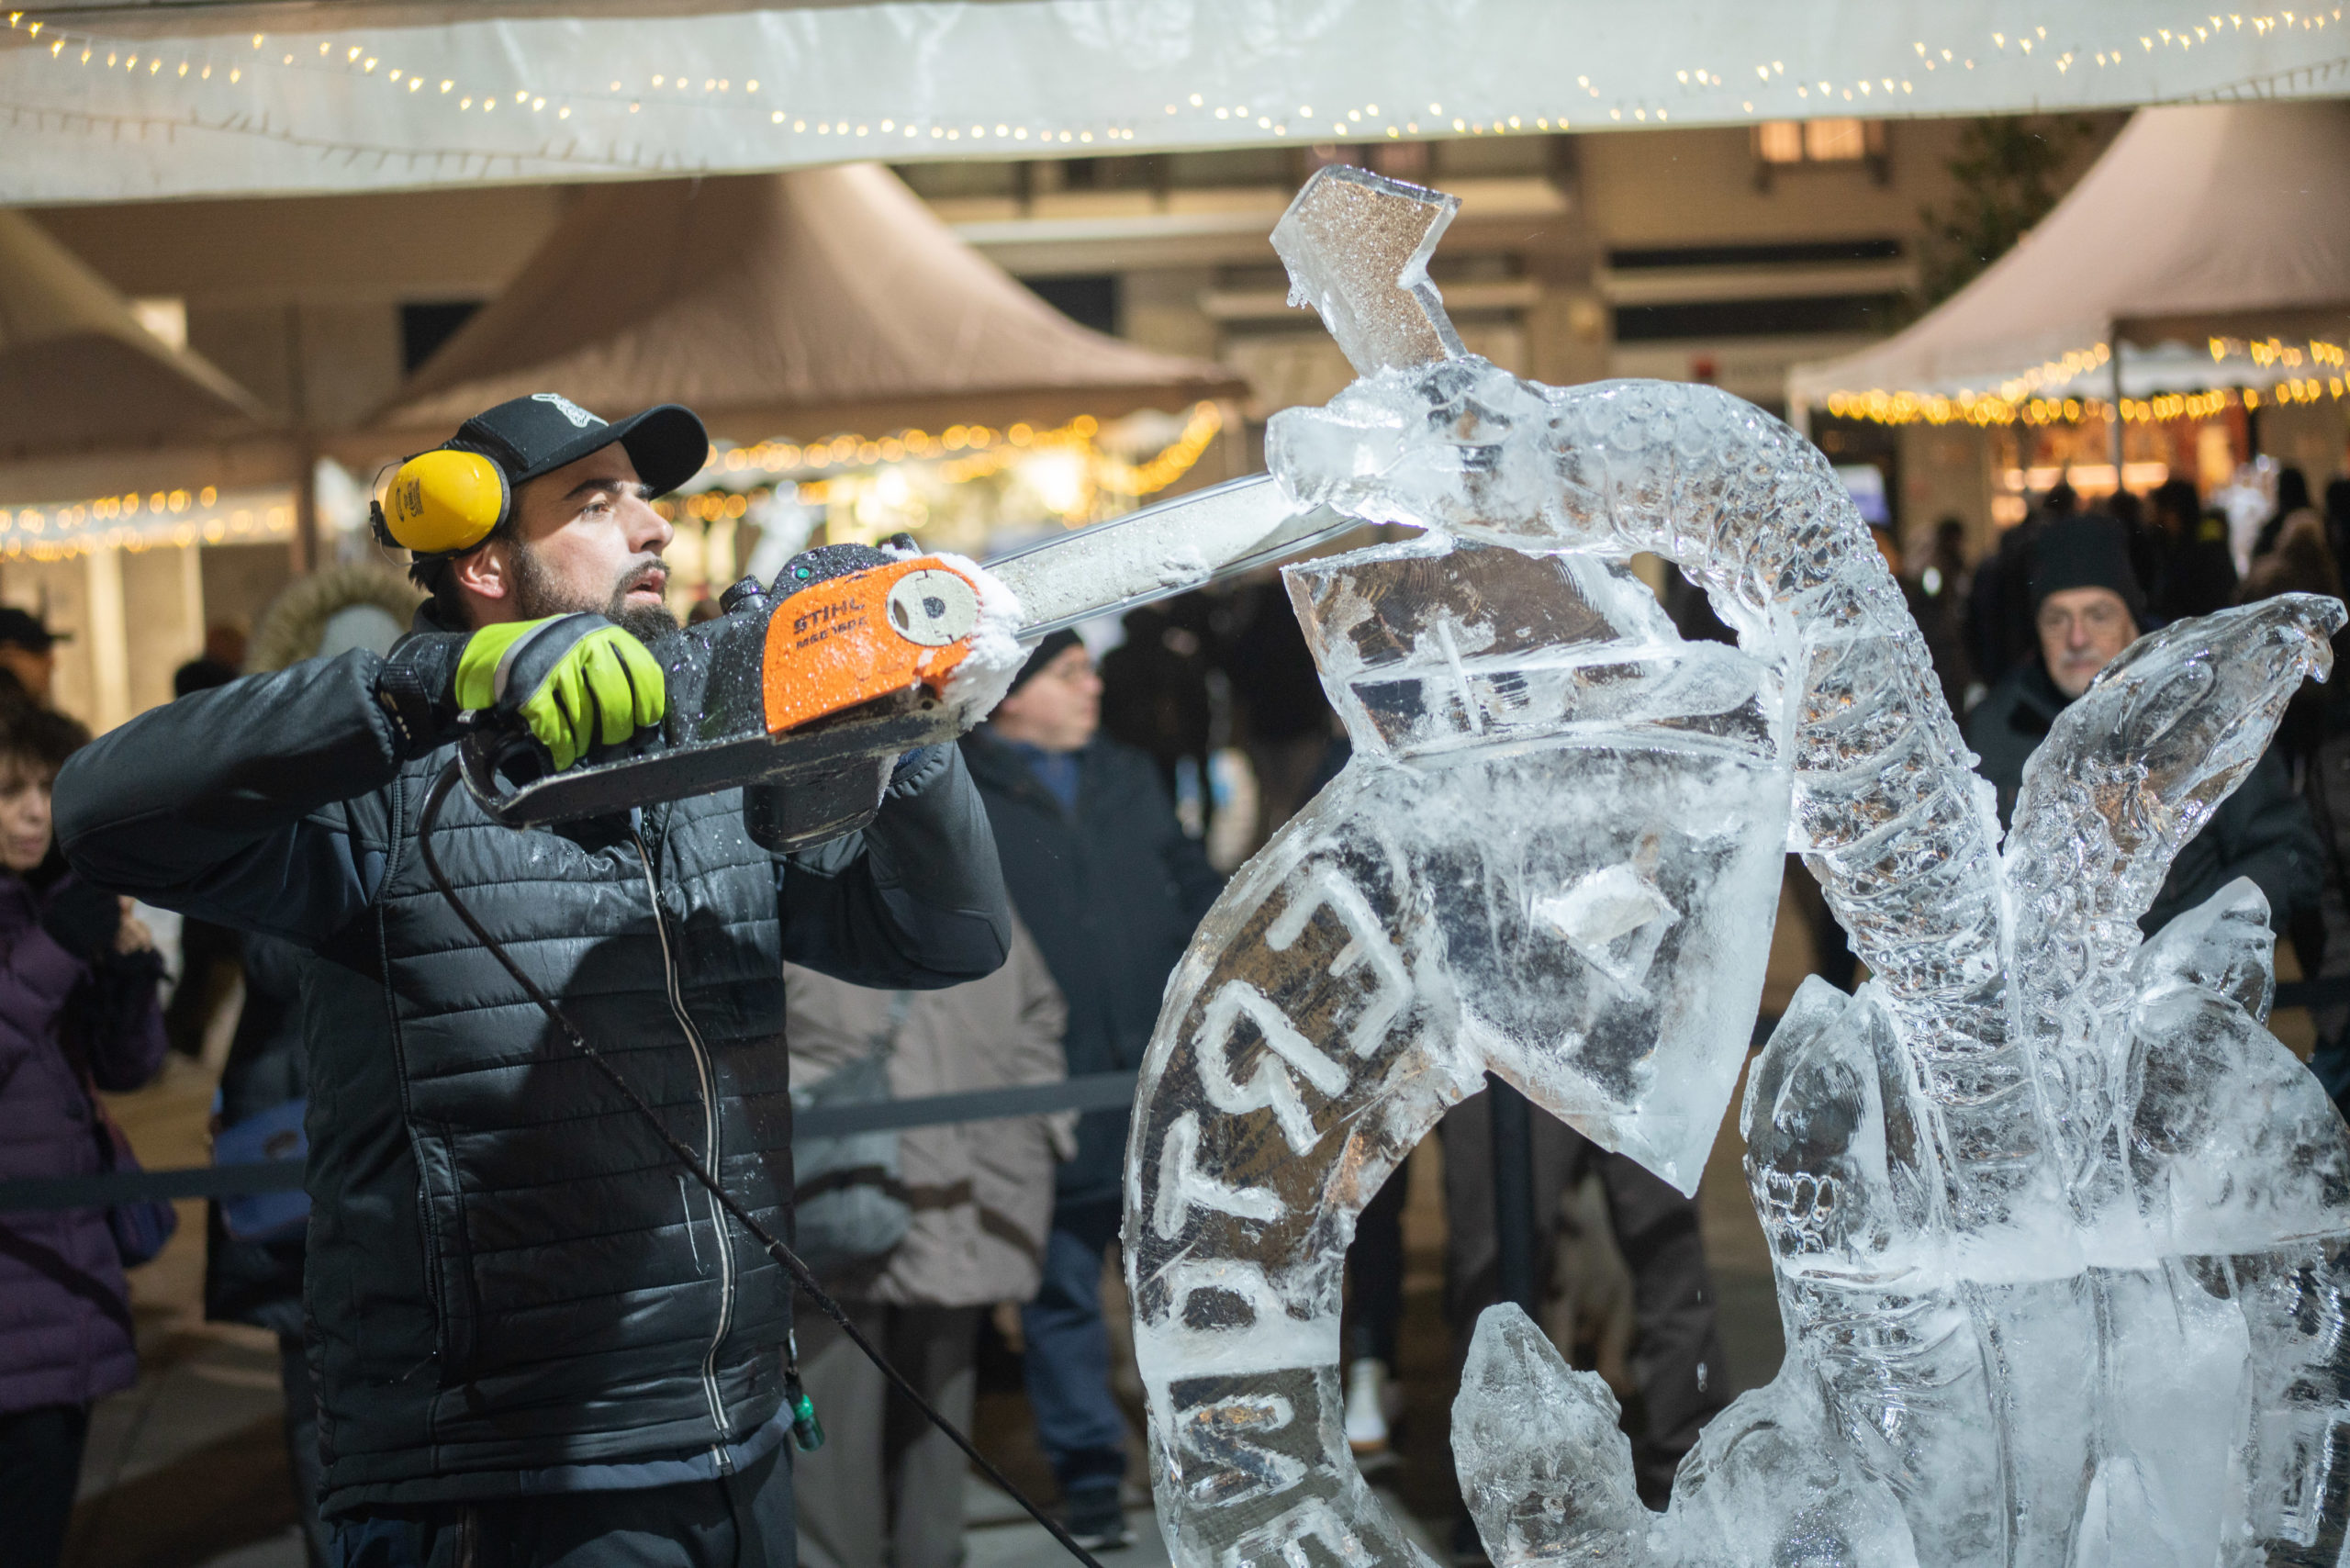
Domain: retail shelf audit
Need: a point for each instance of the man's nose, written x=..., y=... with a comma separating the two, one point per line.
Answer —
x=649, y=531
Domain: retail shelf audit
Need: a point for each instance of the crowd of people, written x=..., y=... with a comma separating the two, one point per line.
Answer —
x=510, y=1328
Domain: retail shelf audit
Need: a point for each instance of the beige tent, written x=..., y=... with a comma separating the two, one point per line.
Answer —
x=79, y=373
x=804, y=304
x=2216, y=220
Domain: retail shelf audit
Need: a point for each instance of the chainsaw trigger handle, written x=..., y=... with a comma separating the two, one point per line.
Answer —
x=482, y=757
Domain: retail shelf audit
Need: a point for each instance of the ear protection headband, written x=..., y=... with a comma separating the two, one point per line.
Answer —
x=441, y=502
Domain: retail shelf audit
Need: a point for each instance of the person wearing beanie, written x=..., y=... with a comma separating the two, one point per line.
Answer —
x=1105, y=878
x=2087, y=607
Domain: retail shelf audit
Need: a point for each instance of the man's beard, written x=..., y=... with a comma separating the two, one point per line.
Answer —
x=537, y=596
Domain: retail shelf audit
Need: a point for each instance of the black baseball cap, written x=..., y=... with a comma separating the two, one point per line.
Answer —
x=23, y=629
x=540, y=433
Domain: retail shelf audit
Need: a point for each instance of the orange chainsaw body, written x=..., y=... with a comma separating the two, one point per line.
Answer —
x=835, y=644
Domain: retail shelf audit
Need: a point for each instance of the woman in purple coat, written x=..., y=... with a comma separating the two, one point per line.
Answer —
x=77, y=1008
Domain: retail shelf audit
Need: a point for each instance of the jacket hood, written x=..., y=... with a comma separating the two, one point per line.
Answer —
x=291, y=629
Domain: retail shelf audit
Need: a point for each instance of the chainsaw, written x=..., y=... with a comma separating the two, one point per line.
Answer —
x=806, y=690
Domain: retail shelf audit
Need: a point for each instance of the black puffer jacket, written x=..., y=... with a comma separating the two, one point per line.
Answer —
x=1112, y=893
x=2262, y=831
x=507, y=1274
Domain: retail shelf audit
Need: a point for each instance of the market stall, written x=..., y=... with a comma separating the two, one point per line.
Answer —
x=2197, y=280
x=860, y=368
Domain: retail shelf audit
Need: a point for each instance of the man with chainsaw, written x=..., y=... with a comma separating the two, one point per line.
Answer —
x=537, y=1340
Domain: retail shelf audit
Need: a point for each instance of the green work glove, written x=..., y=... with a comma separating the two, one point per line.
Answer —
x=574, y=679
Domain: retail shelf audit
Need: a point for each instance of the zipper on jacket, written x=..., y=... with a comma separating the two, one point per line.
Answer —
x=706, y=1076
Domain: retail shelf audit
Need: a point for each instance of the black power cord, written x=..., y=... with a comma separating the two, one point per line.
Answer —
x=783, y=1255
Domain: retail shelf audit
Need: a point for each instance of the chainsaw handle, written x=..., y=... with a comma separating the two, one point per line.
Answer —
x=483, y=753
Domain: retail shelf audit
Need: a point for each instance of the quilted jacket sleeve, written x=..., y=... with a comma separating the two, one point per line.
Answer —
x=222, y=804
x=916, y=901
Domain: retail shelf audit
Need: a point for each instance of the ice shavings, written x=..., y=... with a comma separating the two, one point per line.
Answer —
x=994, y=655
x=1097, y=570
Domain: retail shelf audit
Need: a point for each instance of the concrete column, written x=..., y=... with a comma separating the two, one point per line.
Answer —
x=109, y=640
x=191, y=564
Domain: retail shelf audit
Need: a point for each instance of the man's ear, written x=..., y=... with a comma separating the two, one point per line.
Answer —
x=488, y=572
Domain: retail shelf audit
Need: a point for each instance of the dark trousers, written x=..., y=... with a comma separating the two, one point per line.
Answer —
x=1375, y=1269
x=40, y=1467
x=1067, y=1367
x=741, y=1521
x=885, y=1490
x=1676, y=1352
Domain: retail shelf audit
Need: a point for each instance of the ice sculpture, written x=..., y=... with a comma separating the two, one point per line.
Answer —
x=2059, y=1228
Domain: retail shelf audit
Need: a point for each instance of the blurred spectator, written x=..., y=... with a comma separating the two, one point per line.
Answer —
x=1375, y=1317
x=1945, y=633
x=2292, y=498
x=2198, y=572
x=200, y=674
x=77, y=988
x=2337, y=519
x=210, y=957
x=2300, y=562
x=1159, y=695
x=253, y=1272
x=2087, y=608
x=254, y=1254
x=1945, y=571
x=885, y=1490
x=2148, y=543
x=1286, y=719
x=222, y=660
x=1999, y=606
x=1110, y=890
x=1940, y=609
x=27, y=654
x=1676, y=1352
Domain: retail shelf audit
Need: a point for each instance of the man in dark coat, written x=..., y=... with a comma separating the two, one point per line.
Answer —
x=534, y=1339
x=1111, y=890
x=2087, y=607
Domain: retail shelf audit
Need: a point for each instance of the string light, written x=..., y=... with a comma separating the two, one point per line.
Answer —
x=848, y=468
x=2017, y=401
x=138, y=521
x=1363, y=120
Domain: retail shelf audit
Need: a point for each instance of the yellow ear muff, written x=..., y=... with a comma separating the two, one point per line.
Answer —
x=445, y=500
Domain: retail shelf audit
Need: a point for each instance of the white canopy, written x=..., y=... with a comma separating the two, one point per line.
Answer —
x=78, y=371
x=804, y=304
x=2223, y=221
x=173, y=100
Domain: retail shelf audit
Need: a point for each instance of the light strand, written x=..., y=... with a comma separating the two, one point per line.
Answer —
x=137, y=520
x=1919, y=407
x=1694, y=83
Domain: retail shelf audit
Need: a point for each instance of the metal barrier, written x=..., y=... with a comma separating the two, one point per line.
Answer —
x=1092, y=1092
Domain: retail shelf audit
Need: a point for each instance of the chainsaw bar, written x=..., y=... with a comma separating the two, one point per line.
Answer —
x=1160, y=551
